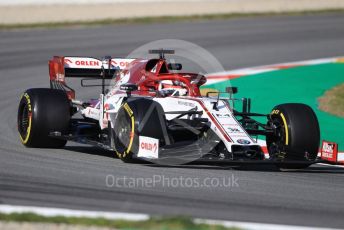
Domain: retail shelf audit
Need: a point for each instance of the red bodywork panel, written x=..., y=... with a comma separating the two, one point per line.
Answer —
x=147, y=80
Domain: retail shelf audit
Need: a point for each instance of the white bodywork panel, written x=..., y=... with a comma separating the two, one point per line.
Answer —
x=221, y=119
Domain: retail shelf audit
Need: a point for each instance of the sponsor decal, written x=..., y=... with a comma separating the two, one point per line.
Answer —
x=243, y=141
x=27, y=97
x=82, y=62
x=87, y=63
x=92, y=112
x=275, y=111
x=60, y=77
x=329, y=151
x=186, y=103
x=148, y=147
x=233, y=130
x=67, y=61
x=242, y=135
x=120, y=63
x=222, y=115
x=128, y=109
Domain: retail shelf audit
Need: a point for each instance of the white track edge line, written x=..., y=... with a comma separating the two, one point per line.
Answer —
x=257, y=226
x=49, y=212
x=272, y=66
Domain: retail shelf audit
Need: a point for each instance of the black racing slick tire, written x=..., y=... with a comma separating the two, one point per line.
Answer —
x=296, y=135
x=137, y=117
x=40, y=112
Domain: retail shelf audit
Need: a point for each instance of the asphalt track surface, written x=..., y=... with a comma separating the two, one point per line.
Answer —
x=76, y=176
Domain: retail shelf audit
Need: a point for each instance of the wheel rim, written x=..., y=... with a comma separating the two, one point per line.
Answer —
x=276, y=142
x=123, y=132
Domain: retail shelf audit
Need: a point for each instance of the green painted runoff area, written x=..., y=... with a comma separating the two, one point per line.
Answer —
x=303, y=84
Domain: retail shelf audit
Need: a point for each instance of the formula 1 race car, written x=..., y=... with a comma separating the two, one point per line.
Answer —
x=149, y=110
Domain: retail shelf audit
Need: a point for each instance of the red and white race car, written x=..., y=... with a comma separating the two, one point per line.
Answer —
x=152, y=111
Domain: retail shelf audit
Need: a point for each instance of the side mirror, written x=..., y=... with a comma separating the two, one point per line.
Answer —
x=128, y=88
x=232, y=90
x=174, y=66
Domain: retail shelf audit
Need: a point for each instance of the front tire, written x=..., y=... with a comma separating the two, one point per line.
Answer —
x=40, y=112
x=296, y=135
x=137, y=117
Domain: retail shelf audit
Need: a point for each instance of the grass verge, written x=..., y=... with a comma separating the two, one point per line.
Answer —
x=333, y=101
x=175, y=223
x=162, y=19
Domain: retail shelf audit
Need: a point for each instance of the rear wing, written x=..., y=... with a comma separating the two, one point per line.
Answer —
x=83, y=67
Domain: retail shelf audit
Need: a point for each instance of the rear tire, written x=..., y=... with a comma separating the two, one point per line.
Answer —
x=40, y=112
x=296, y=137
